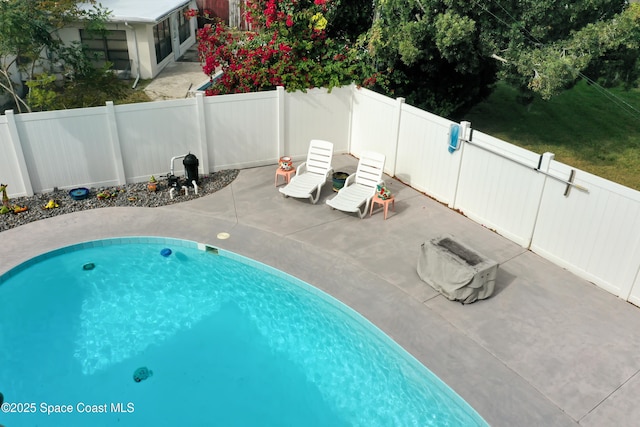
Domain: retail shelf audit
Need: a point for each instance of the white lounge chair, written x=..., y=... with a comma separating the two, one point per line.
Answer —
x=312, y=174
x=359, y=188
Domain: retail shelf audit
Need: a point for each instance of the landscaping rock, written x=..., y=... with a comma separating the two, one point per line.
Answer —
x=123, y=195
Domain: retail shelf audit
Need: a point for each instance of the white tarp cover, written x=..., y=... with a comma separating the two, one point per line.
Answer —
x=140, y=10
x=457, y=272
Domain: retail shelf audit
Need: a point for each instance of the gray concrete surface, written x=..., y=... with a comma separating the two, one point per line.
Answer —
x=547, y=349
x=176, y=80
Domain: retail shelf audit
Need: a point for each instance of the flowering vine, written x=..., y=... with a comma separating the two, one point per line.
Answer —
x=287, y=46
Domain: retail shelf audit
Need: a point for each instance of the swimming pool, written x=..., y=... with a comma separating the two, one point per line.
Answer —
x=112, y=331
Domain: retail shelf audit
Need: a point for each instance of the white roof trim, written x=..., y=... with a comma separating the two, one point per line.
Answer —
x=148, y=11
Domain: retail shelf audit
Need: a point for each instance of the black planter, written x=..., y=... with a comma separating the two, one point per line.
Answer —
x=338, y=180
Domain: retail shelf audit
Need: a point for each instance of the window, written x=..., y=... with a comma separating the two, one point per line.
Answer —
x=108, y=47
x=184, y=29
x=162, y=40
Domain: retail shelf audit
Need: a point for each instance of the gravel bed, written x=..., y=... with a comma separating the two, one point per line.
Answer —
x=123, y=195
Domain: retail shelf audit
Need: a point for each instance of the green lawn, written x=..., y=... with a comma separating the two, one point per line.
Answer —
x=582, y=127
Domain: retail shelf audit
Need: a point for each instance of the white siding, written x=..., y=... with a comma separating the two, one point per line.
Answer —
x=596, y=234
x=374, y=125
x=501, y=194
x=424, y=161
x=9, y=167
x=152, y=133
x=317, y=114
x=67, y=148
x=242, y=129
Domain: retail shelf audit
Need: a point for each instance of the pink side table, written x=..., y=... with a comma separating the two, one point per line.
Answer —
x=287, y=174
x=384, y=203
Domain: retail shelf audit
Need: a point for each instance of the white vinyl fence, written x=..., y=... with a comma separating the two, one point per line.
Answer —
x=114, y=145
x=590, y=226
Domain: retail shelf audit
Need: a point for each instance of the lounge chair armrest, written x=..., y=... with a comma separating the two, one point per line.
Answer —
x=302, y=167
x=329, y=173
x=350, y=180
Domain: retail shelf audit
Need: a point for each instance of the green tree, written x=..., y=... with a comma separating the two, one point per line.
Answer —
x=548, y=68
x=445, y=55
x=350, y=19
x=29, y=41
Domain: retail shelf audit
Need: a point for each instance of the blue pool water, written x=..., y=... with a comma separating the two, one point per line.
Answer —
x=229, y=342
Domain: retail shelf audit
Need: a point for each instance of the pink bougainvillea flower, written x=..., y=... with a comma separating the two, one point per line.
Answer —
x=270, y=54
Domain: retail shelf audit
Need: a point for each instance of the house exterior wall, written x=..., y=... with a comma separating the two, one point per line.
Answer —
x=16, y=78
x=229, y=11
x=70, y=34
x=149, y=68
x=147, y=51
x=143, y=59
x=220, y=8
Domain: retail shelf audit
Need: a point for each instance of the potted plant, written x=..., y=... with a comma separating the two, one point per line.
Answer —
x=286, y=163
x=152, y=185
x=338, y=180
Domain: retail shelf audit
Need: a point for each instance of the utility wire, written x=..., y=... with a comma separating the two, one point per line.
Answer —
x=619, y=102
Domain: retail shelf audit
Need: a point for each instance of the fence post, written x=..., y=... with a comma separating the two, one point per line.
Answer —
x=202, y=127
x=14, y=137
x=350, y=129
x=395, y=125
x=112, y=124
x=280, y=116
x=543, y=166
x=464, y=135
x=629, y=295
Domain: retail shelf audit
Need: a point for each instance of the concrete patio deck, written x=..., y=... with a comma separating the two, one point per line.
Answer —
x=547, y=349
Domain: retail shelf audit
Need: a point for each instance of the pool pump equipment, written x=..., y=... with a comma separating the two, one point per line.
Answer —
x=190, y=163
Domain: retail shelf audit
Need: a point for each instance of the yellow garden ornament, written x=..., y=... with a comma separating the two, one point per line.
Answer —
x=50, y=205
x=7, y=207
x=5, y=197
